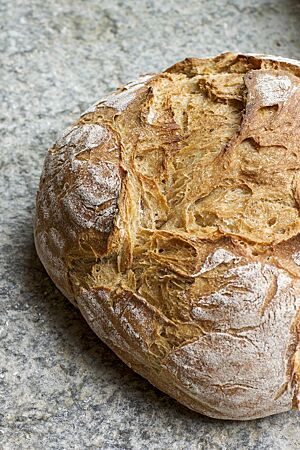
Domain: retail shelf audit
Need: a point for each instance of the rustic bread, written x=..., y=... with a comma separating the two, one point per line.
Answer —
x=169, y=214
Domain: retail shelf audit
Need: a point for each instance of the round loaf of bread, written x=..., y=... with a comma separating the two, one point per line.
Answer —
x=169, y=215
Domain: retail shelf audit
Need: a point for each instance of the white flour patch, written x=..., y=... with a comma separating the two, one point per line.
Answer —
x=99, y=183
x=151, y=115
x=95, y=308
x=274, y=89
x=54, y=265
x=56, y=239
x=50, y=204
x=256, y=278
x=83, y=137
x=90, y=196
x=85, y=218
x=283, y=281
x=132, y=318
x=93, y=201
x=140, y=81
x=220, y=256
x=120, y=100
x=296, y=258
x=138, y=316
x=240, y=302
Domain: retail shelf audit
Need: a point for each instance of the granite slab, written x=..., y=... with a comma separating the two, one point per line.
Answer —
x=60, y=387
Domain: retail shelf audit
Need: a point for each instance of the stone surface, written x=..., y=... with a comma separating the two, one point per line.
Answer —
x=60, y=387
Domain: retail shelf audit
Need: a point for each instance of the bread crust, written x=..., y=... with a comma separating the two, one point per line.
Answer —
x=169, y=215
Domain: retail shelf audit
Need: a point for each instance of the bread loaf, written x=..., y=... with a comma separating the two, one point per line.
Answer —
x=169, y=215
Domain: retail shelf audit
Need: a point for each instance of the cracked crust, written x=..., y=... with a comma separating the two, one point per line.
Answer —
x=169, y=214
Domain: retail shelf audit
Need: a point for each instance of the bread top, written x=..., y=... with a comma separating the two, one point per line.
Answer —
x=181, y=191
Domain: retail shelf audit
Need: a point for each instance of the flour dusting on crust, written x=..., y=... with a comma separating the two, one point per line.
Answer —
x=296, y=258
x=274, y=89
x=244, y=300
x=83, y=137
x=94, y=199
x=55, y=265
x=220, y=256
x=120, y=100
x=95, y=308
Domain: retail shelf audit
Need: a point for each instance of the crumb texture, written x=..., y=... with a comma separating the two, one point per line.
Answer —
x=170, y=214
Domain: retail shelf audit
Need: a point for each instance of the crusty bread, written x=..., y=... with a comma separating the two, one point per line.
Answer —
x=169, y=214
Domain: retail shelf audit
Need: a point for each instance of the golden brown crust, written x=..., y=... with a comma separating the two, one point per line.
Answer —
x=170, y=214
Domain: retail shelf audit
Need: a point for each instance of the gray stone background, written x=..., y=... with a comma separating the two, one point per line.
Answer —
x=60, y=387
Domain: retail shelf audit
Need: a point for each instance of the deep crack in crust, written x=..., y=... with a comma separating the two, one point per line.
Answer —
x=170, y=214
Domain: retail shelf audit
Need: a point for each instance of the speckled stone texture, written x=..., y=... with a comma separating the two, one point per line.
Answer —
x=60, y=387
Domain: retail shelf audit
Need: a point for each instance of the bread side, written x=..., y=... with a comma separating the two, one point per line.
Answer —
x=170, y=214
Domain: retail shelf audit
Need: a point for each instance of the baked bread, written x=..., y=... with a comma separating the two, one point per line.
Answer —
x=169, y=214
